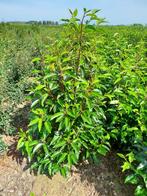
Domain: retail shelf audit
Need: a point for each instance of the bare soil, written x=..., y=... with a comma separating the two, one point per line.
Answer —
x=104, y=179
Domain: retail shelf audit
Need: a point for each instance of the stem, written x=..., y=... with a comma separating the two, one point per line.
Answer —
x=79, y=52
x=80, y=43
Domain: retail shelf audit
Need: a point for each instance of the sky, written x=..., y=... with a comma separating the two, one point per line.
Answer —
x=115, y=11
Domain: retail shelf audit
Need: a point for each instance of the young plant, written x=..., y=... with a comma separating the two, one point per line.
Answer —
x=67, y=116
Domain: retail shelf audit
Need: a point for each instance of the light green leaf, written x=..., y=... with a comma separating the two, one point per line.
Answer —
x=44, y=97
x=57, y=115
x=33, y=143
x=39, y=87
x=121, y=156
x=37, y=147
x=37, y=59
x=20, y=143
x=56, y=154
x=62, y=158
x=126, y=166
x=34, y=103
x=75, y=13
x=48, y=126
x=114, y=102
x=76, y=149
x=33, y=122
x=55, y=139
x=86, y=119
x=67, y=123
x=74, y=158
x=40, y=124
x=63, y=171
x=60, y=144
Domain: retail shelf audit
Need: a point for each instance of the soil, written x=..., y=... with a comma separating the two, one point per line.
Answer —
x=104, y=179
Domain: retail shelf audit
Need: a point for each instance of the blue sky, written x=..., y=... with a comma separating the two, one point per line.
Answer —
x=115, y=11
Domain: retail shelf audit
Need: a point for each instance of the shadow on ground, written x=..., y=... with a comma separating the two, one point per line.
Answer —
x=106, y=177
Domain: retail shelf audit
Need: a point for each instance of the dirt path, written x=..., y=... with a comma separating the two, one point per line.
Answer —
x=87, y=180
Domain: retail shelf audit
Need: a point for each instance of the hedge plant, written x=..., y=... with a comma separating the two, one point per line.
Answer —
x=89, y=96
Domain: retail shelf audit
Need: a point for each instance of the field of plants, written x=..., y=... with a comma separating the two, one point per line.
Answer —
x=75, y=92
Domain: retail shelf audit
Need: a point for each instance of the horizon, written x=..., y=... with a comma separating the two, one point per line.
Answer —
x=126, y=12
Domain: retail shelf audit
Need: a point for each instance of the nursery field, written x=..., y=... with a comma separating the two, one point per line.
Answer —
x=73, y=98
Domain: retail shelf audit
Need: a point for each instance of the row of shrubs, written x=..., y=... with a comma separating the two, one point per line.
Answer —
x=19, y=44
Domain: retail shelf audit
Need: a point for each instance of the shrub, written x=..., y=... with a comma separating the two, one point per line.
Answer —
x=89, y=95
x=67, y=123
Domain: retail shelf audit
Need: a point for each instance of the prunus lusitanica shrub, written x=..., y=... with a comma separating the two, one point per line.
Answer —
x=89, y=95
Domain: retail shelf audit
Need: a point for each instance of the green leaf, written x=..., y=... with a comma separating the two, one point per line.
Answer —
x=33, y=143
x=60, y=119
x=48, y=126
x=142, y=165
x=60, y=144
x=126, y=166
x=34, y=103
x=46, y=150
x=131, y=179
x=40, y=124
x=44, y=97
x=84, y=144
x=61, y=125
x=103, y=149
x=20, y=143
x=56, y=154
x=57, y=115
x=74, y=158
x=75, y=13
x=37, y=147
x=33, y=122
x=39, y=87
x=76, y=149
x=86, y=119
x=62, y=158
x=92, y=27
x=54, y=140
x=114, y=102
x=63, y=171
x=28, y=149
x=140, y=191
x=37, y=59
x=121, y=156
x=67, y=123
